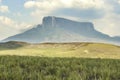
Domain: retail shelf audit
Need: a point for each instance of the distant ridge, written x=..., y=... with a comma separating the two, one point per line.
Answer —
x=55, y=29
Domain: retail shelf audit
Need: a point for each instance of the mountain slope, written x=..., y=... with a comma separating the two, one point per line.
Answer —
x=54, y=29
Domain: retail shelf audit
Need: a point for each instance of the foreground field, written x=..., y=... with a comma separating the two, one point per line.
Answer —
x=84, y=50
x=37, y=68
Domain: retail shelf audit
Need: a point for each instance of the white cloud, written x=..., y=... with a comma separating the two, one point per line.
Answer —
x=42, y=5
x=109, y=24
x=29, y=4
x=4, y=9
x=119, y=1
x=84, y=4
x=8, y=22
x=53, y=4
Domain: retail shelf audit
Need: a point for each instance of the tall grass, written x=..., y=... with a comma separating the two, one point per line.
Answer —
x=37, y=68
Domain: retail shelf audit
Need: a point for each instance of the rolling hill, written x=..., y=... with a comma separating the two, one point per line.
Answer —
x=84, y=50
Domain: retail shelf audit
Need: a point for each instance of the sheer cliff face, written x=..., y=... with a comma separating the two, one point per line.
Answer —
x=54, y=29
x=80, y=27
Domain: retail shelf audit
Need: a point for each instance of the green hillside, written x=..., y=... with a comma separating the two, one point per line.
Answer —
x=85, y=50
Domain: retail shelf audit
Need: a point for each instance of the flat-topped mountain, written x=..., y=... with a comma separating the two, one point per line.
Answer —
x=55, y=29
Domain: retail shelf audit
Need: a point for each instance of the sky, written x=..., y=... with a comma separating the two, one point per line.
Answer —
x=17, y=16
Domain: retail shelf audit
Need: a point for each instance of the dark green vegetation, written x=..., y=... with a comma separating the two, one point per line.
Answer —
x=37, y=68
x=12, y=45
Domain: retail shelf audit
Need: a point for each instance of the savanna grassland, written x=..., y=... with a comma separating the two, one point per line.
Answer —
x=78, y=50
x=53, y=61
